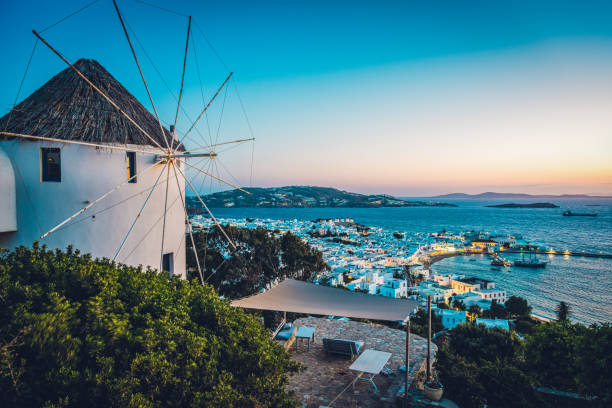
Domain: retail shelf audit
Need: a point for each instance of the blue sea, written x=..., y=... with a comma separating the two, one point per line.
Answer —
x=584, y=283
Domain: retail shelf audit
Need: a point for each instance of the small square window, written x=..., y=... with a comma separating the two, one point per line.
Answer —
x=130, y=158
x=168, y=263
x=50, y=163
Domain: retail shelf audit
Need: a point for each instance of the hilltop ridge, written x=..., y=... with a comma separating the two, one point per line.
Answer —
x=305, y=196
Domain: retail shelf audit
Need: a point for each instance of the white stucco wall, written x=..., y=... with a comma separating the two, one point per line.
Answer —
x=8, y=207
x=87, y=173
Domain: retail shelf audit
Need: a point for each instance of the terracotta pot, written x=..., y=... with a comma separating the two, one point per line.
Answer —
x=434, y=394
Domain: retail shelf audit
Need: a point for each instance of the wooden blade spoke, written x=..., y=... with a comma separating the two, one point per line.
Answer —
x=206, y=107
x=88, y=206
x=219, y=144
x=161, y=128
x=51, y=139
x=109, y=100
x=207, y=209
x=178, y=106
x=190, y=229
x=161, y=257
x=138, y=216
x=216, y=178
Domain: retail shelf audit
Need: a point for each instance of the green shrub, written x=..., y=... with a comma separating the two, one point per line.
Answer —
x=78, y=332
x=259, y=258
x=479, y=366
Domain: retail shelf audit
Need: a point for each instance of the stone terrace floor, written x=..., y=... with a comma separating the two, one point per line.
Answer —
x=326, y=375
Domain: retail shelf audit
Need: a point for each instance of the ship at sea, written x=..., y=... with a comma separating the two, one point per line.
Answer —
x=568, y=213
x=531, y=262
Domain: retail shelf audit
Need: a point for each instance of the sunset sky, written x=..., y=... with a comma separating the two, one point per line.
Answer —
x=405, y=98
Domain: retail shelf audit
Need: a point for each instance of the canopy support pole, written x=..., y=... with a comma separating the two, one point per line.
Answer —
x=407, y=360
x=428, y=339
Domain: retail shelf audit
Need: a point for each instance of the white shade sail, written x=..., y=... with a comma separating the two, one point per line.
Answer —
x=303, y=297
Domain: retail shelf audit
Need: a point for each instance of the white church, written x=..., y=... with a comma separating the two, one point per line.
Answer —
x=43, y=183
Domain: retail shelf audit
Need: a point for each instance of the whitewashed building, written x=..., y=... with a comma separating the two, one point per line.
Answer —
x=492, y=294
x=394, y=288
x=44, y=182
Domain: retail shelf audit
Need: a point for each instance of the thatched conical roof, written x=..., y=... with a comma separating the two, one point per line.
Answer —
x=66, y=107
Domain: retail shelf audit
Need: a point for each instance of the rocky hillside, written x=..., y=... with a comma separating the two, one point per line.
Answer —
x=303, y=196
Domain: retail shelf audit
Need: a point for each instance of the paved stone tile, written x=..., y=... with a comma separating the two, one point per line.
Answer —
x=326, y=375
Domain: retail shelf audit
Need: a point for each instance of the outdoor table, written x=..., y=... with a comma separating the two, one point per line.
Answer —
x=370, y=362
x=304, y=333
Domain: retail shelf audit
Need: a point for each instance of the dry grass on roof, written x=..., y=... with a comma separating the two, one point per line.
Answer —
x=68, y=108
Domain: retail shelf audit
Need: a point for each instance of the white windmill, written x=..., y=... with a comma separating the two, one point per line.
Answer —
x=83, y=163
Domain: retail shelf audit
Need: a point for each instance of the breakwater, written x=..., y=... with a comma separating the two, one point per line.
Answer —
x=436, y=257
x=564, y=253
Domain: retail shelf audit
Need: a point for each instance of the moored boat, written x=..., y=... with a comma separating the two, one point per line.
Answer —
x=568, y=213
x=498, y=261
x=532, y=262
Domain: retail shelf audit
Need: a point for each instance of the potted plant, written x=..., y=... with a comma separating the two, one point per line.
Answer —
x=433, y=389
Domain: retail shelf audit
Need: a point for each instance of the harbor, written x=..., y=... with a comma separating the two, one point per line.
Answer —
x=365, y=257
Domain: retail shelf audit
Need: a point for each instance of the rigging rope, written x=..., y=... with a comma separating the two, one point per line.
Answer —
x=104, y=210
x=25, y=73
x=148, y=232
x=160, y=77
x=8, y=121
x=138, y=215
x=233, y=146
x=210, y=45
x=246, y=117
x=228, y=172
x=68, y=16
x=207, y=229
x=161, y=8
x=252, y=157
x=221, y=116
x=195, y=53
x=157, y=222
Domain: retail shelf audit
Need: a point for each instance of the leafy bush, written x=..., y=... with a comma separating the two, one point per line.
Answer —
x=496, y=311
x=572, y=357
x=475, y=310
x=524, y=324
x=260, y=258
x=517, y=306
x=479, y=366
x=89, y=333
x=419, y=322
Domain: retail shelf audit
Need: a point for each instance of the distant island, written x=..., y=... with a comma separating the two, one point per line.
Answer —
x=492, y=195
x=532, y=205
x=304, y=197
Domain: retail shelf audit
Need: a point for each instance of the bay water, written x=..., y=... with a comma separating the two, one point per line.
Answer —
x=584, y=283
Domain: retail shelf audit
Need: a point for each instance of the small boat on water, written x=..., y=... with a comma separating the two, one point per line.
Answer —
x=532, y=262
x=568, y=213
x=498, y=261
